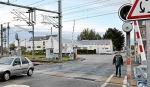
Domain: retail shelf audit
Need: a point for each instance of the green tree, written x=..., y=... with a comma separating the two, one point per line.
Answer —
x=89, y=34
x=132, y=47
x=12, y=47
x=116, y=36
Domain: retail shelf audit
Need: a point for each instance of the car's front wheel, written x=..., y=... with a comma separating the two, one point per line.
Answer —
x=6, y=76
x=30, y=72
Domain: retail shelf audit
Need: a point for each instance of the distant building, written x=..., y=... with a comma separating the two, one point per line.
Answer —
x=66, y=44
x=101, y=46
x=39, y=42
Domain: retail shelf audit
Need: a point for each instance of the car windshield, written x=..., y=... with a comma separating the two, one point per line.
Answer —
x=6, y=61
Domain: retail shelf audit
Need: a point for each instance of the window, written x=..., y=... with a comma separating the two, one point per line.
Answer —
x=43, y=43
x=106, y=48
x=16, y=61
x=24, y=60
x=29, y=46
x=38, y=46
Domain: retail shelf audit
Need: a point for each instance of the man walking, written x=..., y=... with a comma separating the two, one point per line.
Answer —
x=118, y=61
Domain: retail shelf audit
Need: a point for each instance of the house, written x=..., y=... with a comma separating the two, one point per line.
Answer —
x=39, y=42
x=53, y=42
x=101, y=46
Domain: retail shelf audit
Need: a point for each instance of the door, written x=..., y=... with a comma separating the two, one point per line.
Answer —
x=16, y=67
x=25, y=65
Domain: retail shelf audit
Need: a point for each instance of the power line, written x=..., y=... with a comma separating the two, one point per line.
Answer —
x=98, y=7
x=91, y=16
x=83, y=5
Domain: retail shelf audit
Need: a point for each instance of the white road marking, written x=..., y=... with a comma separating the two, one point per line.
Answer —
x=16, y=86
x=107, y=81
x=125, y=82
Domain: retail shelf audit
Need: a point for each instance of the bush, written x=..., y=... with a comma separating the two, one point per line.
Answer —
x=85, y=51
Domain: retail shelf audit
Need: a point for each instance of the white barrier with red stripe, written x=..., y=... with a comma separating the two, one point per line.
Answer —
x=140, y=43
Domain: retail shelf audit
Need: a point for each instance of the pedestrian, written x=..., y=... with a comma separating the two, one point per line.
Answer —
x=118, y=62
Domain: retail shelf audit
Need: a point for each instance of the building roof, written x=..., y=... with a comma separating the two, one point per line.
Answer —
x=39, y=38
x=94, y=42
x=67, y=41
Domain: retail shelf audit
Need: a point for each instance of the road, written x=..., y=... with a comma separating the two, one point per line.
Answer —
x=94, y=71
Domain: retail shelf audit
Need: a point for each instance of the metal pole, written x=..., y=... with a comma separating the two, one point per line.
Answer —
x=18, y=48
x=148, y=51
x=33, y=40
x=1, y=39
x=5, y=40
x=8, y=38
x=51, y=39
x=129, y=83
x=60, y=29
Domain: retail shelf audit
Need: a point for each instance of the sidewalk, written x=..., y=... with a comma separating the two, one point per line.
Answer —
x=122, y=82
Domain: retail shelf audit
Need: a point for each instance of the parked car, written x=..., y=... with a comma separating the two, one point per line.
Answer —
x=15, y=65
x=108, y=52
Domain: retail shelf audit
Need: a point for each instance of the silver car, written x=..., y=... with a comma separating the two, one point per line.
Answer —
x=15, y=65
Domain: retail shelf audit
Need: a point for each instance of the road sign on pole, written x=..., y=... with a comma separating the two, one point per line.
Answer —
x=139, y=10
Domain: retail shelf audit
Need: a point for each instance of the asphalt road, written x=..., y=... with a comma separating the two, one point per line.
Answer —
x=94, y=71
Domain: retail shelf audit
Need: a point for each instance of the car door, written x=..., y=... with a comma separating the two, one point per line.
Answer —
x=25, y=65
x=16, y=66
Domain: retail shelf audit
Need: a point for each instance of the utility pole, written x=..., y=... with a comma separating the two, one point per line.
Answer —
x=148, y=51
x=60, y=29
x=8, y=38
x=51, y=39
x=1, y=39
x=33, y=40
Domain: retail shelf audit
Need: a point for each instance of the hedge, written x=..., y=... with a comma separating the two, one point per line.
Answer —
x=85, y=51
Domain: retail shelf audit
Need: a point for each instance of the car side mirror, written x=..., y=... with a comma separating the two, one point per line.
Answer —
x=14, y=64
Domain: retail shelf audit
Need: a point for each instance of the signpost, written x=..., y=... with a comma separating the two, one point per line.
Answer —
x=141, y=10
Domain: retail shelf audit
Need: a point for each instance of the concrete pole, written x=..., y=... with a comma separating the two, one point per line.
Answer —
x=8, y=38
x=51, y=39
x=1, y=39
x=129, y=83
x=33, y=41
x=60, y=29
x=148, y=51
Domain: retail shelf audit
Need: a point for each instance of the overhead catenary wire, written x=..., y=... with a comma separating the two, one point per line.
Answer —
x=91, y=16
x=103, y=6
x=84, y=4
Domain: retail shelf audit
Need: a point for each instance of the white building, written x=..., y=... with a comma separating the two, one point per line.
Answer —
x=39, y=42
x=66, y=44
x=101, y=46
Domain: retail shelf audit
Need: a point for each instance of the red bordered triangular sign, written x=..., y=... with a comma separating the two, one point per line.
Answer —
x=139, y=10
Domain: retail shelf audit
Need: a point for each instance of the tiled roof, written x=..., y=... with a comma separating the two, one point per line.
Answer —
x=39, y=38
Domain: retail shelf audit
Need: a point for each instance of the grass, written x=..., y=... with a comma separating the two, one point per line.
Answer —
x=43, y=57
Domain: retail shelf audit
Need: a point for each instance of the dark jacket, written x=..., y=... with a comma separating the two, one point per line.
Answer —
x=120, y=62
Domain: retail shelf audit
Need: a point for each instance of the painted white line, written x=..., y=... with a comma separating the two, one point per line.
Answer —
x=107, y=81
x=125, y=82
x=16, y=86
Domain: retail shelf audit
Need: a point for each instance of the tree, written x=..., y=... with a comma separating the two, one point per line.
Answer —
x=87, y=34
x=12, y=47
x=132, y=47
x=116, y=36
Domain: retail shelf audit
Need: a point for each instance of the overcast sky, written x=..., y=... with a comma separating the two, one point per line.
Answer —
x=94, y=14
